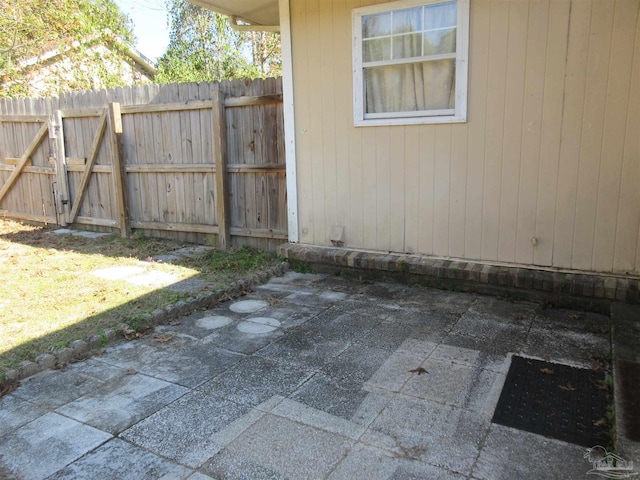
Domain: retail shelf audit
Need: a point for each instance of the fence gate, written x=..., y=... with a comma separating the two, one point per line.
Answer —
x=92, y=187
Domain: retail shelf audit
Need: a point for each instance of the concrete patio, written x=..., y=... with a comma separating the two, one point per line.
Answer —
x=309, y=377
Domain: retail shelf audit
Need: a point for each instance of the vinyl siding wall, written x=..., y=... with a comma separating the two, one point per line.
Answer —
x=551, y=148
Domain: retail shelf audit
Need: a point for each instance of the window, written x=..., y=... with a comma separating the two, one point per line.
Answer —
x=410, y=62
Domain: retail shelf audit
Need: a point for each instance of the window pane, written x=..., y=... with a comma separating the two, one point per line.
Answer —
x=440, y=41
x=407, y=21
x=407, y=46
x=410, y=88
x=376, y=50
x=439, y=16
x=376, y=25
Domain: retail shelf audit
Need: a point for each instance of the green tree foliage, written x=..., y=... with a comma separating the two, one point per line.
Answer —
x=204, y=47
x=30, y=28
x=266, y=53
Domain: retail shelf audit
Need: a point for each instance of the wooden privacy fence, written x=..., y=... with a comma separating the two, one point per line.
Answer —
x=197, y=162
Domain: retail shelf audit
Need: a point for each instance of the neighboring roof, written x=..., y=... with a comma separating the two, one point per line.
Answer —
x=257, y=12
x=143, y=62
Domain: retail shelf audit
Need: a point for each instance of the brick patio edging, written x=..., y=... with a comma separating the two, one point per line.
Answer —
x=82, y=349
x=569, y=288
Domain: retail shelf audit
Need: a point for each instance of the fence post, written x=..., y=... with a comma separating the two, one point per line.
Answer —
x=220, y=156
x=119, y=174
x=56, y=134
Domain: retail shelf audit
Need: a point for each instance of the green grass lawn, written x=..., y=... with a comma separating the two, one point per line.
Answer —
x=50, y=298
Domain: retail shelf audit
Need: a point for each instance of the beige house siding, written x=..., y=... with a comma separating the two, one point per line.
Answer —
x=551, y=148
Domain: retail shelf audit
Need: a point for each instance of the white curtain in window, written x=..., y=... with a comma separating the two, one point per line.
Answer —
x=411, y=88
x=419, y=86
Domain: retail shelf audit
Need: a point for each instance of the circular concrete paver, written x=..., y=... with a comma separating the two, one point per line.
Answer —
x=333, y=296
x=118, y=273
x=213, y=322
x=259, y=325
x=248, y=306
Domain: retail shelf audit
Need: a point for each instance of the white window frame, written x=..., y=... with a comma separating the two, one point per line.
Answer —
x=459, y=113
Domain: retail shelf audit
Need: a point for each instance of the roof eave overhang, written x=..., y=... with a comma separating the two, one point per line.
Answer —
x=259, y=13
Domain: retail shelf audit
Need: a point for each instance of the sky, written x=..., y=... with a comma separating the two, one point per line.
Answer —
x=150, y=25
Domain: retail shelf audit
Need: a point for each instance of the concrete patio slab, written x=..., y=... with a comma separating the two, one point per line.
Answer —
x=453, y=384
x=357, y=363
x=79, y=233
x=15, y=412
x=119, y=460
x=45, y=445
x=355, y=381
x=192, y=367
x=508, y=453
x=304, y=349
x=254, y=380
x=231, y=339
x=54, y=388
x=336, y=396
x=277, y=447
x=440, y=435
x=184, y=431
x=567, y=346
x=368, y=462
x=117, y=405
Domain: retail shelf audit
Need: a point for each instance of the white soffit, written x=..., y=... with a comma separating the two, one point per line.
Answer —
x=259, y=12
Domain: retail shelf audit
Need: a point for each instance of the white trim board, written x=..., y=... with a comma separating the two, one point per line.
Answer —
x=289, y=120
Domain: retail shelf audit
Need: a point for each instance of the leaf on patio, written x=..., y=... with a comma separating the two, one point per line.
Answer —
x=131, y=334
x=548, y=371
x=418, y=370
x=568, y=387
x=576, y=316
x=8, y=388
x=163, y=339
x=597, y=364
x=131, y=371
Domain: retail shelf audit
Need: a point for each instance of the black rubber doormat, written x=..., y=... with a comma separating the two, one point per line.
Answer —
x=554, y=400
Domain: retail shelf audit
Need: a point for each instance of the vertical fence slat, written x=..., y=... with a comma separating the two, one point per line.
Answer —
x=220, y=154
x=62, y=179
x=115, y=131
